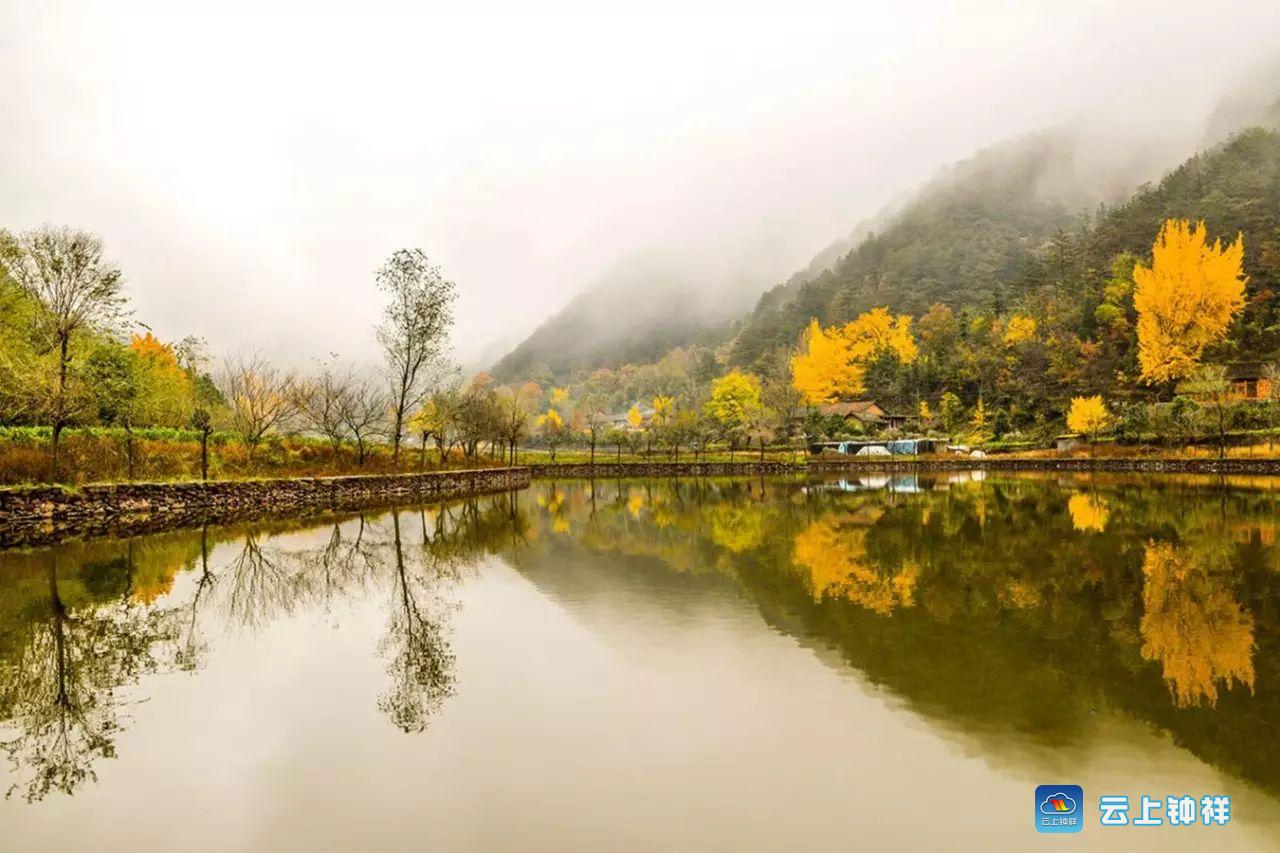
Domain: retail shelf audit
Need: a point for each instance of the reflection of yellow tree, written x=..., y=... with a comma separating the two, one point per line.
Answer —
x=1088, y=512
x=834, y=555
x=1193, y=625
x=553, y=502
x=635, y=503
x=738, y=527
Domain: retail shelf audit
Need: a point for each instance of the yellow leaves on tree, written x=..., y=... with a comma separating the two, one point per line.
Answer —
x=559, y=396
x=1088, y=416
x=634, y=418
x=664, y=409
x=877, y=332
x=1193, y=626
x=833, y=361
x=735, y=398
x=550, y=421
x=825, y=370
x=1019, y=330
x=1186, y=299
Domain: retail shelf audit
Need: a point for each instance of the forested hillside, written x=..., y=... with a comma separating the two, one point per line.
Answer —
x=963, y=241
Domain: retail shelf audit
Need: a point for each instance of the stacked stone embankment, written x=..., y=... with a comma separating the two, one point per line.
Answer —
x=29, y=515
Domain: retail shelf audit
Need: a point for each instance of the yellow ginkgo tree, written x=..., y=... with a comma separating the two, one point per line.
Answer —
x=832, y=362
x=1088, y=416
x=1186, y=299
x=552, y=427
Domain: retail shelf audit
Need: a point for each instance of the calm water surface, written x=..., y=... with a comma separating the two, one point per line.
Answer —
x=764, y=664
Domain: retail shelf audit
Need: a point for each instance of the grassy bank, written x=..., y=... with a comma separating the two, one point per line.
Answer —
x=111, y=455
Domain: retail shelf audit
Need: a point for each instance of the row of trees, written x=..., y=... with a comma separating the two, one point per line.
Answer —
x=1014, y=369
x=67, y=358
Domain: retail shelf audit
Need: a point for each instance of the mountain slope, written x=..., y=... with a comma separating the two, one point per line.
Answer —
x=636, y=313
x=962, y=241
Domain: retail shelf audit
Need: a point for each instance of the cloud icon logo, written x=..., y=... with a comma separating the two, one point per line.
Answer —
x=1058, y=804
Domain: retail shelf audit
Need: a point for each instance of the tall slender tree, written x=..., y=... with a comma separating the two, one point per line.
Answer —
x=414, y=331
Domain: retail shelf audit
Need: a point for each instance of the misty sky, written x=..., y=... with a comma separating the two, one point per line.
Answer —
x=249, y=165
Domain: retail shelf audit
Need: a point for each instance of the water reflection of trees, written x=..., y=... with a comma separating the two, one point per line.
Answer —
x=61, y=695
x=1015, y=604
x=1193, y=625
x=74, y=645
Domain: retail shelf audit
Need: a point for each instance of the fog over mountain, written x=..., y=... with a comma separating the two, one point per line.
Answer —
x=687, y=157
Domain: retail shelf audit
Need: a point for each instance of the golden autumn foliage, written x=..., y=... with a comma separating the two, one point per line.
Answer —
x=550, y=420
x=1019, y=330
x=877, y=332
x=559, y=395
x=1087, y=416
x=833, y=361
x=1193, y=626
x=664, y=409
x=825, y=370
x=1186, y=299
x=634, y=418
x=735, y=397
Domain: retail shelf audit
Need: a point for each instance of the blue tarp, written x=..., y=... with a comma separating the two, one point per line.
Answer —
x=903, y=447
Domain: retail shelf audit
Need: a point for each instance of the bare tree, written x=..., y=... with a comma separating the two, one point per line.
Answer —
x=414, y=330
x=594, y=423
x=364, y=411
x=517, y=406
x=322, y=400
x=260, y=398
x=64, y=270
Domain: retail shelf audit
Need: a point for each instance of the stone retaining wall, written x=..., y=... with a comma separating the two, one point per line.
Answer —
x=32, y=515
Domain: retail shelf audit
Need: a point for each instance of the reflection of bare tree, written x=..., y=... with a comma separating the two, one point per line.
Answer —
x=63, y=696
x=193, y=647
x=61, y=690
x=258, y=585
x=420, y=660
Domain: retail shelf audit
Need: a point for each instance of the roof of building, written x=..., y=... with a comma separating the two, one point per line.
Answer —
x=853, y=407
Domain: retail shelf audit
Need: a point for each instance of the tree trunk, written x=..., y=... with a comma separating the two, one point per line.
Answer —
x=593, y=451
x=57, y=434
x=1222, y=433
x=204, y=455
x=422, y=453
x=64, y=345
x=762, y=450
x=128, y=451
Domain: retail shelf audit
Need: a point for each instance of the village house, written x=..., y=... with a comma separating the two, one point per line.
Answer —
x=1249, y=382
x=867, y=413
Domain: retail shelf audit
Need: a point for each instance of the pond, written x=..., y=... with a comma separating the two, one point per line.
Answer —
x=707, y=664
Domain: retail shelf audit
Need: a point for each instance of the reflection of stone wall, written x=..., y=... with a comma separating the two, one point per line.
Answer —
x=665, y=469
x=997, y=463
x=32, y=515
